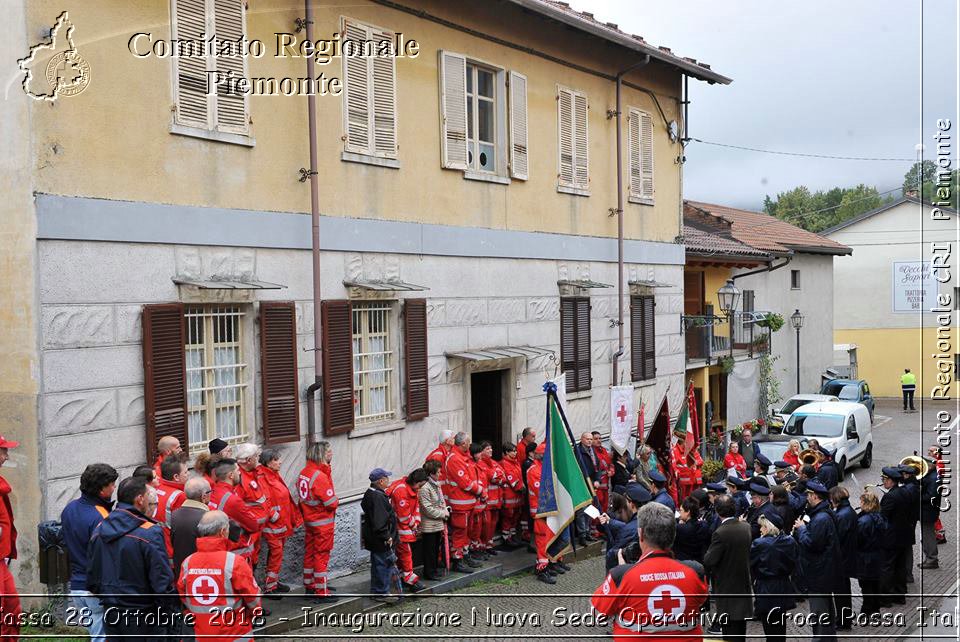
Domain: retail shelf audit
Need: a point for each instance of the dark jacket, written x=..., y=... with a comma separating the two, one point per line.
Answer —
x=619, y=535
x=846, y=519
x=788, y=514
x=621, y=477
x=663, y=497
x=742, y=502
x=772, y=562
x=711, y=519
x=379, y=521
x=929, y=497
x=127, y=561
x=753, y=516
x=586, y=463
x=819, y=549
x=183, y=531
x=798, y=498
x=692, y=539
x=894, y=506
x=829, y=473
x=872, y=530
x=749, y=454
x=727, y=561
x=78, y=520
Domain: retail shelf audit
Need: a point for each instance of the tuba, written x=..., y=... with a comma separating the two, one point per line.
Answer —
x=811, y=457
x=917, y=462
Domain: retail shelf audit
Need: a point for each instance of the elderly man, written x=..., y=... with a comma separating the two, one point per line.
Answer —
x=463, y=488
x=254, y=495
x=590, y=466
x=658, y=595
x=748, y=450
x=217, y=586
x=166, y=446
x=820, y=559
x=127, y=565
x=379, y=533
x=440, y=454
x=183, y=522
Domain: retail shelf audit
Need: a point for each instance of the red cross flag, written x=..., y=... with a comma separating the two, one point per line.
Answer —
x=621, y=416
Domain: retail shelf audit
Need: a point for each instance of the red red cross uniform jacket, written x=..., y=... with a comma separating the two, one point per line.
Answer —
x=226, y=499
x=10, y=609
x=440, y=454
x=658, y=597
x=491, y=474
x=462, y=481
x=512, y=482
x=406, y=504
x=540, y=531
x=318, y=503
x=170, y=497
x=218, y=589
x=604, y=465
x=280, y=503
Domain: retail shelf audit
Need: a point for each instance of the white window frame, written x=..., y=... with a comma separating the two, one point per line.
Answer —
x=211, y=131
x=574, y=187
x=207, y=316
x=635, y=149
x=499, y=119
x=362, y=365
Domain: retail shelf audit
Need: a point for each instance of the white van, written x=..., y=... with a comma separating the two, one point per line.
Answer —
x=843, y=426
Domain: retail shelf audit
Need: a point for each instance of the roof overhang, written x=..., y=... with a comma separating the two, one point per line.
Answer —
x=583, y=283
x=724, y=261
x=833, y=251
x=569, y=18
x=385, y=285
x=500, y=352
x=228, y=285
x=649, y=284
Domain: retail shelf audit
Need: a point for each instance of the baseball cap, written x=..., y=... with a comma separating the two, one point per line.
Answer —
x=6, y=443
x=379, y=473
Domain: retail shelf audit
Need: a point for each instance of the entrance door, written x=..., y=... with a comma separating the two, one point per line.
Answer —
x=486, y=407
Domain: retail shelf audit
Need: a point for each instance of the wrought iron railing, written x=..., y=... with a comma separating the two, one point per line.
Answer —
x=702, y=342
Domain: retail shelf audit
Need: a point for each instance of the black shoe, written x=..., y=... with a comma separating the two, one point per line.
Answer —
x=562, y=565
x=582, y=542
x=546, y=577
x=433, y=577
x=556, y=568
x=282, y=588
x=386, y=599
x=460, y=566
x=271, y=595
x=413, y=588
x=480, y=556
x=325, y=599
x=929, y=564
x=471, y=562
x=941, y=541
x=491, y=551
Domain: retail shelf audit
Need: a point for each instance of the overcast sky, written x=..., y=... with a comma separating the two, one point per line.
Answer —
x=837, y=78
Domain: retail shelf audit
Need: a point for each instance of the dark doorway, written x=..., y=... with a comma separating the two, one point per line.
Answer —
x=486, y=408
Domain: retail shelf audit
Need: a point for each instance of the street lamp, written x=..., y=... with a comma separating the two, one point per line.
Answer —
x=729, y=297
x=796, y=320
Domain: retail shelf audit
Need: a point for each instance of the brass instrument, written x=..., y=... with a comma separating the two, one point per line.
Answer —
x=811, y=457
x=917, y=462
x=877, y=486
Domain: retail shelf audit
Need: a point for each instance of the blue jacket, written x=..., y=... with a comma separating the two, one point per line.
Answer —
x=819, y=549
x=586, y=463
x=127, y=561
x=619, y=535
x=846, y=519
x=742, y=502
x=829, y=473
x=78, y=519
x=772, y=561
x=692, y=540
x=753, y=516
x=663, y=497
x=872, y=552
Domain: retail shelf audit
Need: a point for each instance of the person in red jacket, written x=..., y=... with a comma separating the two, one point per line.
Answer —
x=286, y=518
x=440, y=454
x=687, y=468
x=540, y=531
x=225, y=498
x=166, y=446
x=525, y=448
x=605, y=468
x=735, y=460
x=318, y=501
x=493, y=477
x=512, y=490
x=170, y=496
x=475, y=526
x=463, y=493
x=253, y=494
x=9, y=598
x=217, y=586
x=405, y=498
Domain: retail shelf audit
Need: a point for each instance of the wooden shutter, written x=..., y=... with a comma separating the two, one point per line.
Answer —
x=278, y=372
x=633, y=150
x=575, y=342
x=581, y=142
x=565, y=120
x=636, y=339
x=453, y=110
x=190, y=73
x=384, y=99
x=519, y=160
x=357, y=91
x=749, y=298
x=415, y=358
x=229, y=24
x=164, y=375
x=337, y=367
x=643, y=339
x=646, y=154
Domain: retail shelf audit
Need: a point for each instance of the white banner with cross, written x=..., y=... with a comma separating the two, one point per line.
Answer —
x=621, y=416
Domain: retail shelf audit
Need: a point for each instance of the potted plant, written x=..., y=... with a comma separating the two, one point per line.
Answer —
x=726, y=364
x=713, y=470
x=772, y=320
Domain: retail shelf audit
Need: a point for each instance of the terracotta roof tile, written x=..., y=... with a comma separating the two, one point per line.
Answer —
x=704, y=243
x=765, y=232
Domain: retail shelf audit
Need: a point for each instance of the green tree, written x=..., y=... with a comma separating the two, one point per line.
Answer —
x=858, y=200
x=910, y=179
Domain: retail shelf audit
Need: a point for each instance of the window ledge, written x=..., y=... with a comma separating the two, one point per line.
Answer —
x=575, y=191
x=640, y=200
x=365, y=159
x=485, y=177
x=376, y=428
x=580, y=394
x=209, y=134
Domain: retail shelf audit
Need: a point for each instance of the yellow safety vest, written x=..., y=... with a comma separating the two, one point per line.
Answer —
x=908, y=379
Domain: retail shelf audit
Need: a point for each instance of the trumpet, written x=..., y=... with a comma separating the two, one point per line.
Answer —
x=917, y=462
x=811, y=457
x=877, y=486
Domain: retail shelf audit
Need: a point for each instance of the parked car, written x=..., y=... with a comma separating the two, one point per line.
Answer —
x=773, y=446
x=855, y=390
x=794, y=402
x=840, y=426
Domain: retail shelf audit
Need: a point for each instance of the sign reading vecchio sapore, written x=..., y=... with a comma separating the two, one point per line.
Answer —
x=914, y=288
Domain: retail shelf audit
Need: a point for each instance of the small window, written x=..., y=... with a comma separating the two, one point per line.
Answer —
x=216, y=374
x=373, y=361
x=794, y=279
x=482, y=119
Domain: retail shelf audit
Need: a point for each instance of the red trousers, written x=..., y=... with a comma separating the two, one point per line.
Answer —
x=405, y=563
x=459, y=533
x=476, y=528
x=509, y=517
x=318, y=542
x=603, y=496
x=540, y=535
x=9, y=606
x=274, y=559
x=491, y=517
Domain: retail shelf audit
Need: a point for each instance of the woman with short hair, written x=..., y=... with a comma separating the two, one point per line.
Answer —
x=872, y=531
x=773, y=557
x=434, y=513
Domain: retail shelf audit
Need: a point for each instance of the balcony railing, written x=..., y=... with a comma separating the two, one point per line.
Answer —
x=703, y=342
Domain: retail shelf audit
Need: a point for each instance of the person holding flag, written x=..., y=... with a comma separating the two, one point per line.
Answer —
x=687, y=463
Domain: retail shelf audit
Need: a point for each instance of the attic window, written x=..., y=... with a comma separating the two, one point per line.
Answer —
x=794, y=279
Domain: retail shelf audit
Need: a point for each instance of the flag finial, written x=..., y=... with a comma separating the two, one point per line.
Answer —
x=549, y=387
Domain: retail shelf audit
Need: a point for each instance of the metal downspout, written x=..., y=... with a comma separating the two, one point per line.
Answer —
x=315, y=228
x=619, y=108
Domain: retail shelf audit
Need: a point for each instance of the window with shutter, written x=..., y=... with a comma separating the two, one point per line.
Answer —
x=278, y=372
x=373, y=361
x=415, y=354
x=165, y=378
x=228, y=111
x=453, y=110
x=643, y=354
x=640, y=132
x=519, y=161
x=369, y=92
x=338, y=377
x=575, y=342
x=574, y=141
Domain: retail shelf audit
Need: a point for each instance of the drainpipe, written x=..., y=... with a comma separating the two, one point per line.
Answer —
x=619, y=352
x=770, y=268
x=315, y=228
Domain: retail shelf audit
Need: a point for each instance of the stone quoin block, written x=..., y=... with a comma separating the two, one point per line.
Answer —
x=86, y=368
x=73, y=326
x=77, y=412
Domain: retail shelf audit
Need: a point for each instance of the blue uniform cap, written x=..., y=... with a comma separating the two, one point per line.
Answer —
x=893, y=472
x=716, y=487
x=774, y=518
x=759, y=485
x=763, y=459
x=657, y=476
x=637, y=494
x=782, y=464
x=814, y=486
